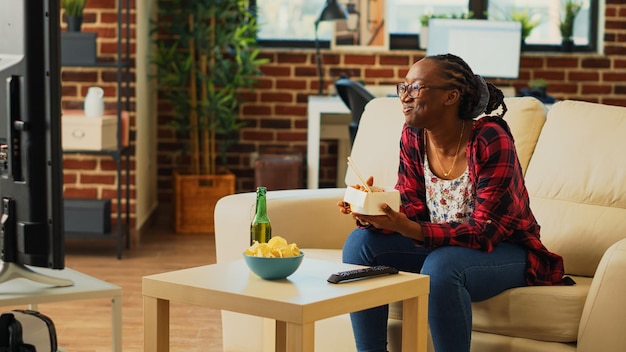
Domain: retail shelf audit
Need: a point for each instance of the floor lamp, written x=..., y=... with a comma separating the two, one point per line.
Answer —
x=332, y=11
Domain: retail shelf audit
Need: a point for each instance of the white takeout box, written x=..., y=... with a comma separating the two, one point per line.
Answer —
x=368, y=203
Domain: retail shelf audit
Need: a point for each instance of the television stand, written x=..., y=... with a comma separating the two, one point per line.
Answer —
x=10, y=271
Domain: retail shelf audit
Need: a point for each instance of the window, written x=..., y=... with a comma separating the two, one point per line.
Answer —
x=405, y=15
x=291, y=22
x=548, y=14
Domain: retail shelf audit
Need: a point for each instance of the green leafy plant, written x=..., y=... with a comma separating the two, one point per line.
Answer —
x=73, y=8
x=538, y=83
x=424, y=19
x=206, y=55
x=527, y=19
x=568, y=15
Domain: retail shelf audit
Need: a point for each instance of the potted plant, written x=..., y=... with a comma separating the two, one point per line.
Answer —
x=73, y=13
x=77, y=47
x=527, y=19
x=566, y=24
x=205, y=55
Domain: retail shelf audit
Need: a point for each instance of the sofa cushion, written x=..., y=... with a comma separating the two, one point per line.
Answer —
x=579, y=204
x=525, y=116
x=485, y=342
x=546, y=313
x=376, y=148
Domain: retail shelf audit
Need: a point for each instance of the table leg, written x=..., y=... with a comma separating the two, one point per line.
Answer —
x=116, y=321
x=281, y=336
x=156, y=322
x=415, y=324
x=300, y=337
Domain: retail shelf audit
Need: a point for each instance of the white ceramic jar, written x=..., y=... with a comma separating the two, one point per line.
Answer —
x=94, y=102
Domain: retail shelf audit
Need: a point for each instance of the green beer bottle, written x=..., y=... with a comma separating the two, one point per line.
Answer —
x=260, y=229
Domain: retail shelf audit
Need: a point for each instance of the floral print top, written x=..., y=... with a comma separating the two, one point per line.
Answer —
x=448, y=200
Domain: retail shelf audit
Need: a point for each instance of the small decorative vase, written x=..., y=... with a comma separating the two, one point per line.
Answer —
x=567, y=45
x=523, y=45
x=94, y=102
x=74, y=23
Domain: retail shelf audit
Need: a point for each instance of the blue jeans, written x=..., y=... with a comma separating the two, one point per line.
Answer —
x=458, y=276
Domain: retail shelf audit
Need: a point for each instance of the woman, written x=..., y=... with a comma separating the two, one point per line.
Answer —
x=465, y=218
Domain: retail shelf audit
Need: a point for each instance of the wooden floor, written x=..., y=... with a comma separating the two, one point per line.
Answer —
x=85, y=326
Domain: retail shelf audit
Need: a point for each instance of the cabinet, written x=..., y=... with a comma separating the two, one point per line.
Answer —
x=121, y=152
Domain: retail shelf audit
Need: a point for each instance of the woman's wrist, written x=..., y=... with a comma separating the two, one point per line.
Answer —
x=414, y=231
x=363, y=224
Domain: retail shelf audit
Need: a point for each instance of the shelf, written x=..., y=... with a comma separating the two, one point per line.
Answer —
x=116, y=153
x=102, y=65
x=122, y=64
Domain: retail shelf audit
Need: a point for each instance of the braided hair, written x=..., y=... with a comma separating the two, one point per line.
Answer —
x=477, y=95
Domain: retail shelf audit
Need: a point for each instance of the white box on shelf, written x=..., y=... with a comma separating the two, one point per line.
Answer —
x=89, y=133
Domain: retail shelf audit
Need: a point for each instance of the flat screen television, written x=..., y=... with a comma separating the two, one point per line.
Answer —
x=491, y=48
x=31, y=164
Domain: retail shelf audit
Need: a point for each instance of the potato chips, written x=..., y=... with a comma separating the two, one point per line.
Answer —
x=276, y=247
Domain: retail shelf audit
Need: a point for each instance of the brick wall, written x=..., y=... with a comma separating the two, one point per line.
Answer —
x=275, y=113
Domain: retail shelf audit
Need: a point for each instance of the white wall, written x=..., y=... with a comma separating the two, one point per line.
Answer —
x=146, y=118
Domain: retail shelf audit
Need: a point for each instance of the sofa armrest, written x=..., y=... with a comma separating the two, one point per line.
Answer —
x=604, y=315
x=308, y=217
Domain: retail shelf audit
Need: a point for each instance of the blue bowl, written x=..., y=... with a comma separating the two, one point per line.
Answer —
x=273, y=268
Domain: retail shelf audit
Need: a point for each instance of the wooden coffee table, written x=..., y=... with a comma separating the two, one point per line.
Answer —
x=296, y=303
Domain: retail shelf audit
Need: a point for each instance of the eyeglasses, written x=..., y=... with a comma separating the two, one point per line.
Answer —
x=413, y=90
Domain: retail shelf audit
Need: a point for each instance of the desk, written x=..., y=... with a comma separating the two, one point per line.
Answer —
x=316, y=130
x=296, y=303
x=26, y=292
x=328, y=117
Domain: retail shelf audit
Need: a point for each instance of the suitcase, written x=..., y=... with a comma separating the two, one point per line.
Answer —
x=27, y=331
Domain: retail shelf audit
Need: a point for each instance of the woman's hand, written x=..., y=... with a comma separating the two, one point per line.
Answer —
x=344, y=207
x=391, y=220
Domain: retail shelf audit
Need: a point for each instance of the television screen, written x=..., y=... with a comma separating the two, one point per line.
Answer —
x=31, y=174
x=491, y=48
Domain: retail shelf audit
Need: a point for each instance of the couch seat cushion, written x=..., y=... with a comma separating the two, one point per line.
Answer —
x=547, y=313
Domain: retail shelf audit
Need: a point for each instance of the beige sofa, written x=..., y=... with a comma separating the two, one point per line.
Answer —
x=575, y=171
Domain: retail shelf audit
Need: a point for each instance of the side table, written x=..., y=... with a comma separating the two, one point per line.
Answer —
x=296, y=303
x=24, y=292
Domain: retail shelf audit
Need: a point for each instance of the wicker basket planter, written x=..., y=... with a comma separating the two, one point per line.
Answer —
x=195, y=199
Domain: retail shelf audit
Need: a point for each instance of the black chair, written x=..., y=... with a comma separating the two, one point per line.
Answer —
x=355, y=96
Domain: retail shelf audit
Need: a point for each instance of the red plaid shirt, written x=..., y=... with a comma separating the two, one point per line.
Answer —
x=502, y=211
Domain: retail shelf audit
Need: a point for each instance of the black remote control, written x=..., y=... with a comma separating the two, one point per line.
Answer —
x=361, y=273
